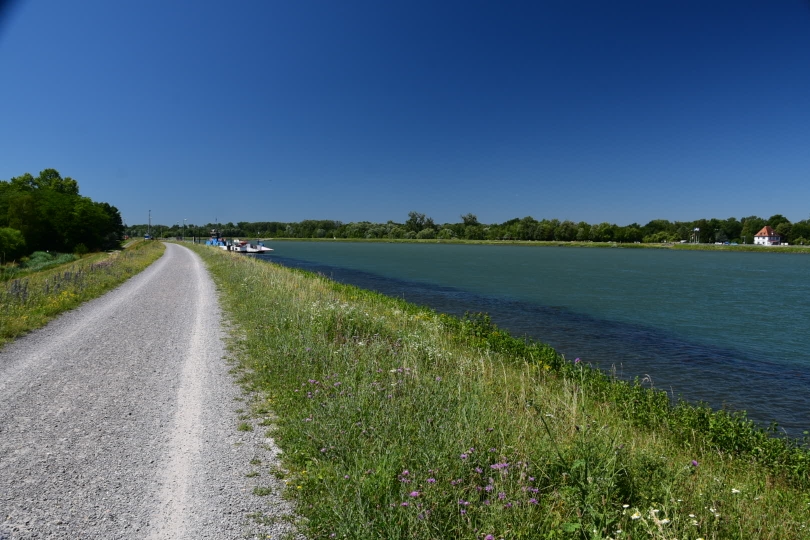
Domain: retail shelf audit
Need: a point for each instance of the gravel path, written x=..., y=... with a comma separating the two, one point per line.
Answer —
x=119, y=420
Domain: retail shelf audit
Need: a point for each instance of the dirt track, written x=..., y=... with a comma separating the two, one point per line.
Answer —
x=118, y=420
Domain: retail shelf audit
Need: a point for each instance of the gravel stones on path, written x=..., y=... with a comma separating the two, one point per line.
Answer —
x=118, y=420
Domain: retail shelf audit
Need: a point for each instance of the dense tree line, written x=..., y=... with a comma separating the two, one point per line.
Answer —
x=47, y=213
x=423, y=227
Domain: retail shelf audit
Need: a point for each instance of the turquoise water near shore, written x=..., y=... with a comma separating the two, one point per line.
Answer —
x=725, y=328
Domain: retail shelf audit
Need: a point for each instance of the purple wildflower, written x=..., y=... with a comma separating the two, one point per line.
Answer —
x=577, y=360
x=431, y=480
x=414, y=493
x=463, y=456
x=694, y=463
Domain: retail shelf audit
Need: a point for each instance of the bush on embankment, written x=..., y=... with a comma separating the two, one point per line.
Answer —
x=30, y=301
x=397, y=422
x=36, y=262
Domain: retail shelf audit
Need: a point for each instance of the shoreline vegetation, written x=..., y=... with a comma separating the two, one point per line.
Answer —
x=539, y=243
x=400, y=422
x=731, y=231
x=30, y=298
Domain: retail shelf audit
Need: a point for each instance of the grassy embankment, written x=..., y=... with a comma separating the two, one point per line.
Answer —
x=398, y=422
x=34, y=297
x=536, y=243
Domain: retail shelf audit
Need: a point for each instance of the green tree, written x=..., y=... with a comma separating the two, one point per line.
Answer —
x=24, y=215
x=776, y=220
x=51, y=179
x=657, y=226
x=546, y=230
x=583, y=232
x=630, y=233
x=784, y=230
x=51, y=214
x=602, y=232
x=469, y=220
x=12, y=244
x=750, y=226
x=800, y=230
x=566, y=231
x=23, y=182
x=417, y=222
x=396, y=232
x=474, y=232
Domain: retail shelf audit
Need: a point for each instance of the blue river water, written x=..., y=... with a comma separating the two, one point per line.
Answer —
x=729, y=329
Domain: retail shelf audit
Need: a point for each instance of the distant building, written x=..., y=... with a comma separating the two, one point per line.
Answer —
x=767, y=237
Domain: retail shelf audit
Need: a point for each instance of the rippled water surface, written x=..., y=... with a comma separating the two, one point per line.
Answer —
x=726, y=328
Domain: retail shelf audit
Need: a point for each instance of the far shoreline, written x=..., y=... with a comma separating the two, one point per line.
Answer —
x=751, y=248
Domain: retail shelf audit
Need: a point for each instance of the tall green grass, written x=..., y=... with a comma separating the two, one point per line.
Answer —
x=398, y=422
x=31, y=300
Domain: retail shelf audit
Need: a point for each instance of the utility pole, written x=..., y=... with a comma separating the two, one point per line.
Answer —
x=149, y=227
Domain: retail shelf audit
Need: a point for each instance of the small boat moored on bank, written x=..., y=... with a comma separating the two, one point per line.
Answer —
x=239, y=246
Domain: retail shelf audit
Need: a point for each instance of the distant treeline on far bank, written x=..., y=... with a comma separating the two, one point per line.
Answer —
x=419, y=226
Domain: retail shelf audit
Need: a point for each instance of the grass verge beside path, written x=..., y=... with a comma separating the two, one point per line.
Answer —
x=398, y=422
x=29, y=302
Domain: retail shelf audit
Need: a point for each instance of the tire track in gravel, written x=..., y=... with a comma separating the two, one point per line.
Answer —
x=118, y=420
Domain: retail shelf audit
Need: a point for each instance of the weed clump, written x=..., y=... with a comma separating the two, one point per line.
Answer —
x=48, y=284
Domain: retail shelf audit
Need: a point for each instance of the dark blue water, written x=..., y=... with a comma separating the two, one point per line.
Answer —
x=727, y=329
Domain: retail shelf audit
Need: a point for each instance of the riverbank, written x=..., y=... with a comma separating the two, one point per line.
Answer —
x=534, y=243
x=420, y=425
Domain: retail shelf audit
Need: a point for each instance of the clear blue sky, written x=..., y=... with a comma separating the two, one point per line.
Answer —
x=270, y=110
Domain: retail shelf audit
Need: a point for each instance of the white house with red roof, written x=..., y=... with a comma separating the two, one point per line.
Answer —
x=767, y=237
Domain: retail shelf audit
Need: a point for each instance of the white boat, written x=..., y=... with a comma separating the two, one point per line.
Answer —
x=243, y=246
x=239, y=246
